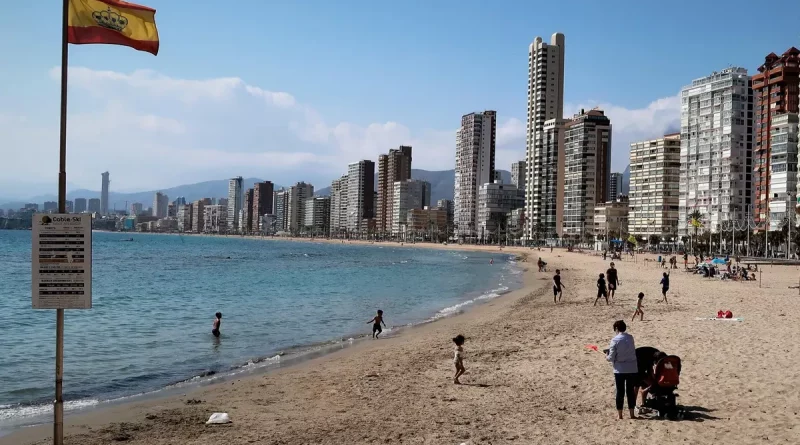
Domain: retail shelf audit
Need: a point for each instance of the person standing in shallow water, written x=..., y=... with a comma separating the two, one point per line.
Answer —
x=376, y=324
x=217, y=323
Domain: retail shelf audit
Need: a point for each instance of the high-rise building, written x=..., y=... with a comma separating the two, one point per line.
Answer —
x=179, y=201
x=776, y=92
x=215, y=218
x=587, y=168
x=69, y=206
x=160, y=205
x=407, y=195
x=543, y=153
x=611, y=219
x=80, y=205
x=614, y=187
x=447, y=205
x=296, y=210
x=246, y=220
x=50, y=207
x=716, y=149
x=235, y=195
x=339, y=192
x=104, y=193
x=136, y=208
x=495, y=201
x=281, y=209
x=172, y=210
x=518, y=175
x=94, y=205
x=655, y=187
x=317, y=216
x=475, y=151
x=198, y=214
x=360, y=194
x=783, y=186
x=392, y=167
x=263, y=193
x=184, y=217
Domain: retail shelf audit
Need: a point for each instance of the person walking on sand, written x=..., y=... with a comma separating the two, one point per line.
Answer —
x=665, y=286
x=622, y=355
x=376, y=324
x=601, y=289
x=639, y=307
x=557, y=286
x=217, y=323
x=613, y=280
x=458, y=357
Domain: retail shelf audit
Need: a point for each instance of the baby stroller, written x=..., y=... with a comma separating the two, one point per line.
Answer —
x=661, y=396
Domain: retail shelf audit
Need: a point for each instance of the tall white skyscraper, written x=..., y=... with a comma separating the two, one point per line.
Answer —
x=160, y=203
x=339, y=205
x=543, y=203
x=716, y=148
x=298, y=195
x=475, y=151
x=408, y=195
x=235, y=201
x=104, y=194
x=360, y=194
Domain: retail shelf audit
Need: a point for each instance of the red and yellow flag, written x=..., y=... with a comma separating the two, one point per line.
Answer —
x=112, y=22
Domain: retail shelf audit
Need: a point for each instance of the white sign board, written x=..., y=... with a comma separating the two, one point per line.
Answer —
x=61, y=261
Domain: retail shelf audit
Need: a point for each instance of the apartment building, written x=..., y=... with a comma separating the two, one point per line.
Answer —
x=296, y=209
x=184, y=217
x=317, y=216
x=235, y=195
x=160, y=204
x=407, y=195
x=281, y=212
x=263, y=193
x=392, y=167
x=360, y=195
x=614, y=186
x=655, y=187
x=518, y=175
x=495, y=201
x=611, y=220
x=716, y=177
x=339, y=193
x=783, y=168
x=198, y=214
x=215, y=219
x=475, y=153
x=587, y=169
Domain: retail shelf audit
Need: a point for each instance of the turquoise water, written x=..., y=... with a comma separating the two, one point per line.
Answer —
x=155, y=299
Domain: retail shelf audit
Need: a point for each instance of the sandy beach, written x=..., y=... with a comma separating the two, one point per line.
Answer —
x=529, y=377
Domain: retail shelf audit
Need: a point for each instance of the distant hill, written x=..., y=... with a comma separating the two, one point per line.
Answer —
x=442, y=182
x=192, y=192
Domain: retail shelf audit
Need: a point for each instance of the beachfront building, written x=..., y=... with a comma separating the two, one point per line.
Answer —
x=447, y=204
x=296, y=206
x=215, y=219
x=235, y=194
x=518, y=175
x=184, y=217
x=430, y=221
x=94, y=205
x=339, y=205
x=80, y=205
x=160, y=203
x=475, y=152
x=587, y=168
x=407, y=195
x=263, y=193
x=783, y=167
x=281, y=212
x=655, y=184
x=392, y=167
x=775, y=89
x=716, y=158
x=245, y=219
x=495, y=201
x=198, y=214
x=106, y=182
x=614, y=186
x=360, y=195
x=544, y=138
x=50, y=207
x=611, y=219
x=317, y=216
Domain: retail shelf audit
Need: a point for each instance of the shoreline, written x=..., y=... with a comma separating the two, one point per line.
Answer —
x=284, y=359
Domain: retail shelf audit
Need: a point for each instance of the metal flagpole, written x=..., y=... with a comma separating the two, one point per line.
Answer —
x=58, y=408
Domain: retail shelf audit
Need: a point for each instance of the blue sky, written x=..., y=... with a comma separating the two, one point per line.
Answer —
x=293, y=91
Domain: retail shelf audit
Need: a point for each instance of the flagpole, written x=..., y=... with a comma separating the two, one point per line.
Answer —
x=58, y=407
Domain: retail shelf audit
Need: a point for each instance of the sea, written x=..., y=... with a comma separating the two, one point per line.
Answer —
x=155, y=296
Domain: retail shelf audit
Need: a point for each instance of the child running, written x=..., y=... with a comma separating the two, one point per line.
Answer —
x=639, y=307
x=458, y=358
x=601, y=289
x=376, y=324
x=557, y=286
x=665, y=286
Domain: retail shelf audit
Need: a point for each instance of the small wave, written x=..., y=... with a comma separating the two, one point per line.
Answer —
x=459, y=308
x=21, y=411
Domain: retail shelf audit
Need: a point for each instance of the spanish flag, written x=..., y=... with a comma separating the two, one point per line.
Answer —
x=112, y=22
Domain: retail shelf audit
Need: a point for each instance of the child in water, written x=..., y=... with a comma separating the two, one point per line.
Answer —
x=376, y=324
x=217, y=324
x=639, y=307
x=458, y=358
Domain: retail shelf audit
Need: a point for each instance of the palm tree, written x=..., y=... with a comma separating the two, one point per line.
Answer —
x=695, y=219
